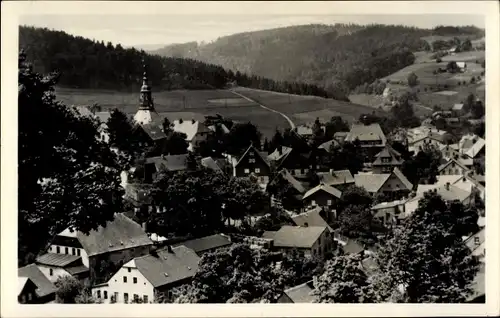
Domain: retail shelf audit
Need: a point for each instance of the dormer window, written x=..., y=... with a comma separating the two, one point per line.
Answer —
x=251, y=160
x=476, y=240
x=251, y=154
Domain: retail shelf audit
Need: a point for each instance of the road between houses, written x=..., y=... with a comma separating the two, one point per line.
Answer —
x=292, y=125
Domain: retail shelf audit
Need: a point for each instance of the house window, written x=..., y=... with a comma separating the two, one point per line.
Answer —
x=250, y=153
x=58, y=250
x=73, y=251
x=116, y=296
x=66, y=250
x=257, y=170
x=329, y=202
x=136, y=297
x=30, y=297
x=23, y=299
x=105, y=294
x=98, y=294
x=124, y=279
x=135, y=280
x=313, y=202
x=129, y=269
x=476, y=240
x=78, y=252
x=145, y=298
x=125, y=297
x=385, y=160
x=51, y=271
x=247, y=171
x=251, y=160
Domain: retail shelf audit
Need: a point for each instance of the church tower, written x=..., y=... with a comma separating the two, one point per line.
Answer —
x=146, y=113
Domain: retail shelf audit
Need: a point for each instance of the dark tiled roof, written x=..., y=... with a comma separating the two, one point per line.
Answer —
x=168, y=267
x=301, y=293
x=336, y=177
x=259, y=154
x=59, y=260
x=296, y=184
x=268, y=234
x=77, y=269
x=154, y=131
x=45, y=287
x=210, y=163
x=296, y=236
x=119, y=234
x=169, y=162
x=207, y=243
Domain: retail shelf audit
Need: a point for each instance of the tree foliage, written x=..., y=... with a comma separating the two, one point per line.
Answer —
x=343, y=281
x=72, y=291
x=240, y=137
x=240, y=274
x=67, y=175
x=426, y=259
x=423, y=168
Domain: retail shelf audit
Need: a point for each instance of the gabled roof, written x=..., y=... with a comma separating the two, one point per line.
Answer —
x=371, y=182
x=323, y=187
x=75, y=270
x=402, y=178
x=190, y=128
x=336, y=177
x=303, y=130
x=366, y=132
x=301, y=293
x=476, y=148
x=258, y=154
x=279, y=154
x=103, y=116
x=119, y=234
x=59, y=260
x=328, y=144
x=450, y=193
x=388, y=152
x=21, y=283
x=211, y=163
x=169, y=162
x=269, y=234
x=44, y=285
x=296, y=236
x=167, y=267
x=146, y=116
x=386, y=205
x=207, y=243
x=154, y=131
x=450, y=161
x=312, y=218
x=458, y=106
x=222, y=127
x=296, y=184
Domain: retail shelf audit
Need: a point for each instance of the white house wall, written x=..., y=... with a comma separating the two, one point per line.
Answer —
x=56, y=272
x=116, y=285
x=62, y=250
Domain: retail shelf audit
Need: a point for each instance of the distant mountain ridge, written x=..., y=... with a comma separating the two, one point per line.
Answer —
x=341, y=56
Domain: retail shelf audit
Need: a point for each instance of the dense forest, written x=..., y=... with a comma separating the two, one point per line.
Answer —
x=83, y=63
x=338, y=57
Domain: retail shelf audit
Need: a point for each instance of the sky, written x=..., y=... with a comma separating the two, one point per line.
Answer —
x=152, y=31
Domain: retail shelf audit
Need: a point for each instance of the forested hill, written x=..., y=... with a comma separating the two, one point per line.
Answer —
x=83, y=63
x=326, y=55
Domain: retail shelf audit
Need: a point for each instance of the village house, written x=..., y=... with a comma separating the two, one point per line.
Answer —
x=298, y=294
x=45, y=291
x=195, y=131
x=206, y=244
x=431, y=139
x=154, y=165
x=389, y=213
x=448, y=192
x=387, y=160
x=478, y=149
x=216, y=164
x=462, y=66
x=457, y=109
x=145, y=277
x=54, y=265
x=298, y=164
x=476, y=243
x=326, y=146
x=322, y=195
x=371, y=138
x=464, y=182
x=453, y=167
x=121, y=240
x=315, y=217
x=252, y=162
x=311, y=240
x=391, y=184
x=340, y=179
x=26, y=290
x=298, y=187
x=340, y=136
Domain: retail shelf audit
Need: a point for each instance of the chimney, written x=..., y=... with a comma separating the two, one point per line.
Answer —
x=169, y=249
x=331, y=171
x=447, y=186
x=193, y=121
x=180, y=120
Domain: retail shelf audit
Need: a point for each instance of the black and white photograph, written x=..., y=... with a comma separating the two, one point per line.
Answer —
x=259, y=158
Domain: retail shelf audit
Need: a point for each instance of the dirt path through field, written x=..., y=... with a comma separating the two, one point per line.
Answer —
x=292, y=125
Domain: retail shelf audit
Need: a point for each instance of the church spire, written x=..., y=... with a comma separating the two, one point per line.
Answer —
x=146, y=99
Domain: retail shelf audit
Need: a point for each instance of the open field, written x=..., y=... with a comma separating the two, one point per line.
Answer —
x=431, y=38
x=193, y=104
x=302, y=108
x=447, y=101
x=370, y=100
x=464, y=56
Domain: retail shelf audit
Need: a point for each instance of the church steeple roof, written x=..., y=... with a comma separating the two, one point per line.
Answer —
x=146, y=99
